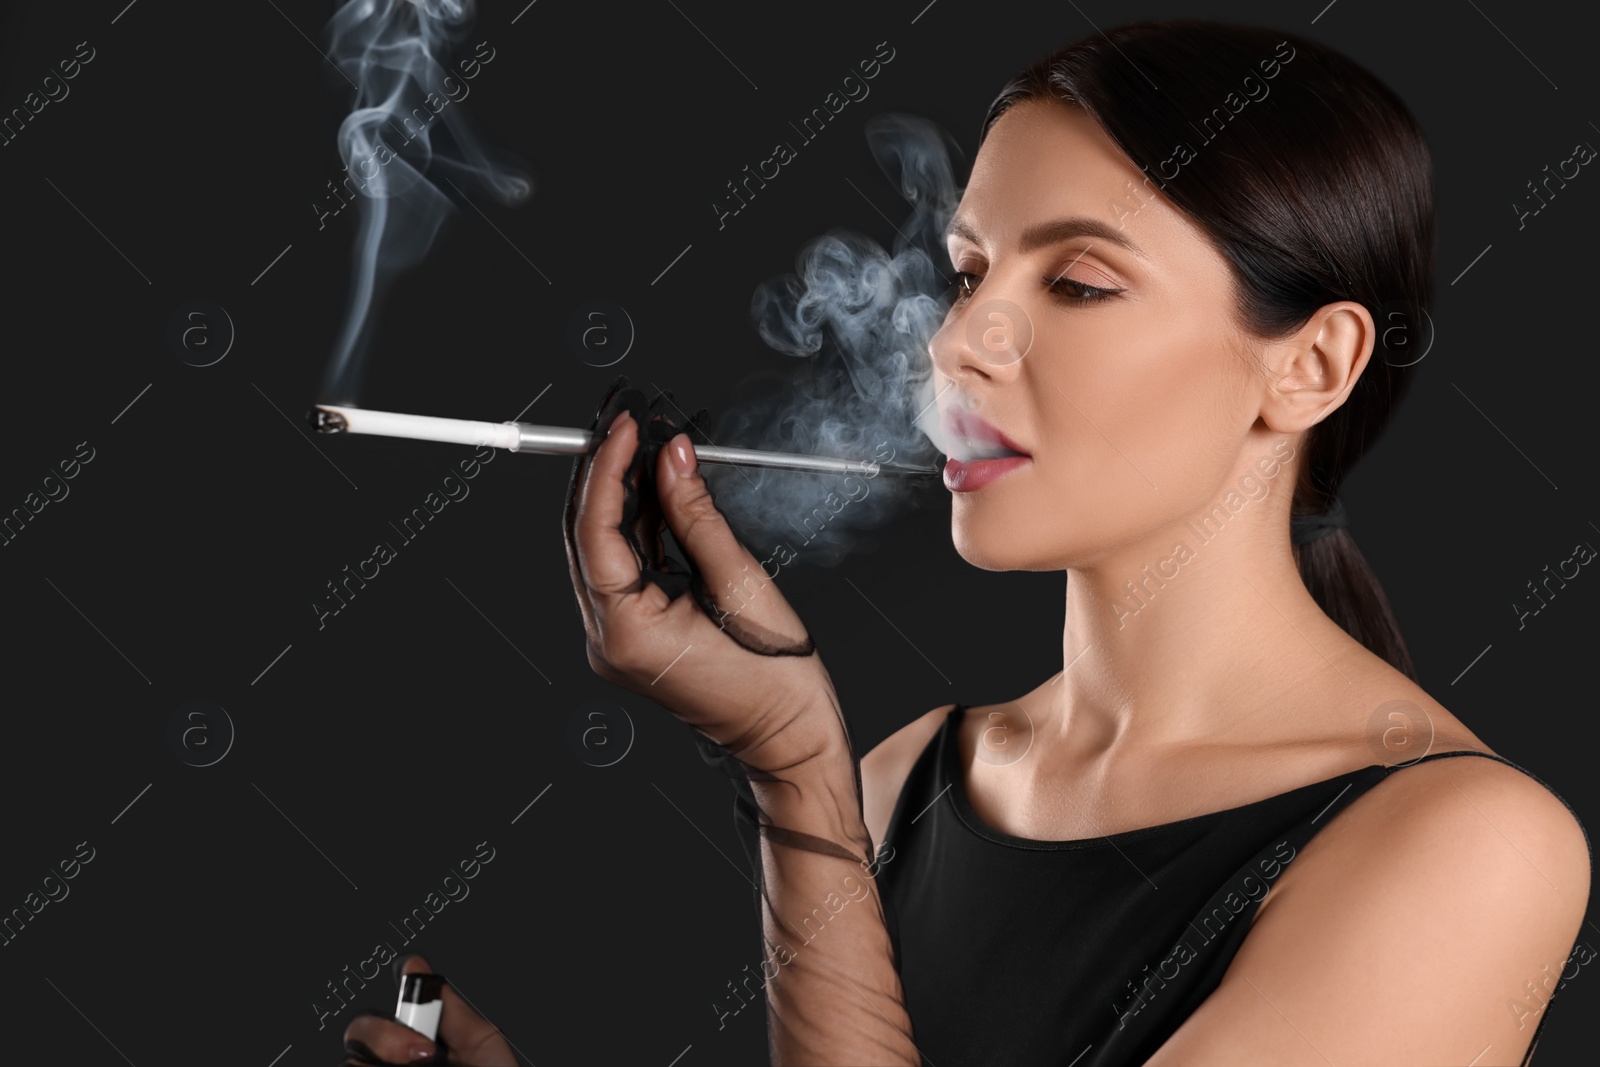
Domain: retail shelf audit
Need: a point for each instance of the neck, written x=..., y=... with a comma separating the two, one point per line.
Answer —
x=1203, y=630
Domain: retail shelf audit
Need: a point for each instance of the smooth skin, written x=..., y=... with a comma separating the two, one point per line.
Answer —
x=1406, y=931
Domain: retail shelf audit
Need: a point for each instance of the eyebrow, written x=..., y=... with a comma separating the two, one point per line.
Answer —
x=1044, y=234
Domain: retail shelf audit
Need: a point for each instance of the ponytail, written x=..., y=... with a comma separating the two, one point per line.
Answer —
x=1344, y=586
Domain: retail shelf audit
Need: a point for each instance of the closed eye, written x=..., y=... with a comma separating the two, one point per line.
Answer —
x=1078, y=292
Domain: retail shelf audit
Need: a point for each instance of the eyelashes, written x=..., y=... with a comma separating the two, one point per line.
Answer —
x=963, y=284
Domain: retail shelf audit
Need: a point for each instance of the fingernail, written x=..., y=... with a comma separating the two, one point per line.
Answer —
x=683, y=454
x=420, y=1052
x=616, y=422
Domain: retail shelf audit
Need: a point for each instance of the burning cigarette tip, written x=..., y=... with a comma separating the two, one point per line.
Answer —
x=325, y=421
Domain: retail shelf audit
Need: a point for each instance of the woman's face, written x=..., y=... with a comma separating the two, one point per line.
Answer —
x=1093, y=328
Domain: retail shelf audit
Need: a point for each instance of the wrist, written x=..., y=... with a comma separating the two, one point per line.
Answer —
x=819, y=797
x=824, y=758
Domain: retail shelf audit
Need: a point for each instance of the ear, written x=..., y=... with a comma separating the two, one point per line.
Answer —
x=1313, y=370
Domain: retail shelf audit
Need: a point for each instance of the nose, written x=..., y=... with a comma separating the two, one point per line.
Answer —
x=984, y=339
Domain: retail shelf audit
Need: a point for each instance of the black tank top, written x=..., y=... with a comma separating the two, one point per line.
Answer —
x=1027, y=953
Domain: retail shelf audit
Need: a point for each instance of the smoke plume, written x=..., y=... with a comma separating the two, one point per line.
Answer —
x=405, y=137
x=860, y=318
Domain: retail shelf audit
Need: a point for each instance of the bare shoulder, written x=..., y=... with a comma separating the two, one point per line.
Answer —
x=1440, y=909
x=884, y=769
x=1460, y=829
x=1469, y=815
x=1500, y=802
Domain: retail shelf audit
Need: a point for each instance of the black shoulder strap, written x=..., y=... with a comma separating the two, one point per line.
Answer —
x=1513, y=766
x=1465, y=752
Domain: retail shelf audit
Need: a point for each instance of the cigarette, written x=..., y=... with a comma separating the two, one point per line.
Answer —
x=567, y=441
x=421, y=1003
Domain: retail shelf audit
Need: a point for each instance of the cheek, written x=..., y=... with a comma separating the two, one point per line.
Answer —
x=1136, y=415
x=1161, y=378
x=1138, y=411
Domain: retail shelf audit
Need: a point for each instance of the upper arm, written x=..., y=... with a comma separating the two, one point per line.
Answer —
x=885, y=768
x=1429, y=922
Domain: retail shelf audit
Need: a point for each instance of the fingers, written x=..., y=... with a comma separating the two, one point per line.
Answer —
x=386, y=1041
x=415, y=964
x=581, y=469
x=470, y=1037
x=606, y=570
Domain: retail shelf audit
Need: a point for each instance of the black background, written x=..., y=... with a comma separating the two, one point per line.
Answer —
x=415, y=725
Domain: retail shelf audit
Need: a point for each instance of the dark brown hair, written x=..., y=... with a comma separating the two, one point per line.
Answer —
x=1317, y=188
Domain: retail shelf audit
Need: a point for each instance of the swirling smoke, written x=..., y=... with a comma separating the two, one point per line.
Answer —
x=404, y=134
x=860, y=317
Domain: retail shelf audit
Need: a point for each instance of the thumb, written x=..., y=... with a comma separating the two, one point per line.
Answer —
x=735, y=579
x=415, y=964
x=695, y=522
x=747, y=605
x=411, y=963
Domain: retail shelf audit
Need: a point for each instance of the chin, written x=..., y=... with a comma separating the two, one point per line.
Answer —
x=992, y=546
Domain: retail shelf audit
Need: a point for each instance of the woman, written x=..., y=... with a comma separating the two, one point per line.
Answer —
x=1210, y=838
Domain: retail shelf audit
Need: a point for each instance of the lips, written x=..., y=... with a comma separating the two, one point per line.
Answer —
x=973, y=475
x=976, y=438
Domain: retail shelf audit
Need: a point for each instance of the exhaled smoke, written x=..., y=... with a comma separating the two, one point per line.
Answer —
x=861, y=318
x=406, y=136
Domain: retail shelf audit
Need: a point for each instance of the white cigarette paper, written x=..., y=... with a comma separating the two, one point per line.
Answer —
x=426, y=427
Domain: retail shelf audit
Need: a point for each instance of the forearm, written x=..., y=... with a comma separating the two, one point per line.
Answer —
x=835, y=997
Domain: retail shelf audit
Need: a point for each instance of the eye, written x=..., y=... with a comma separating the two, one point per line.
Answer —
x=963, y=284
x=1077, y=292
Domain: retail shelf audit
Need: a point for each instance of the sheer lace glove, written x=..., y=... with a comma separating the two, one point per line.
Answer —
x=731, y=658
x=711, y=639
